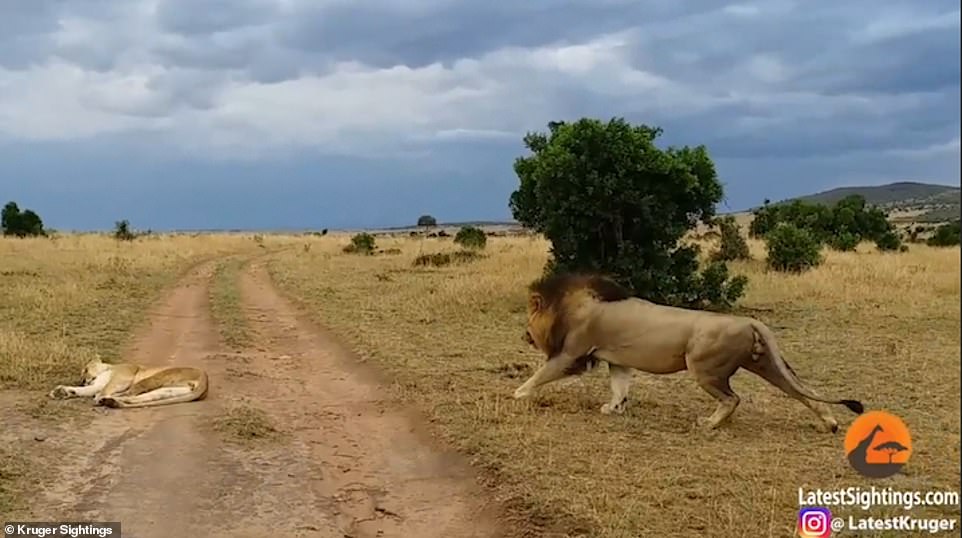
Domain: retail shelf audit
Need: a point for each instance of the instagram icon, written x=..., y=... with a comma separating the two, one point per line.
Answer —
x=814, y=522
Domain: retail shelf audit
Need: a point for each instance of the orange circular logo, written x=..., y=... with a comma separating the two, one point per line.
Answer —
x=878, y=444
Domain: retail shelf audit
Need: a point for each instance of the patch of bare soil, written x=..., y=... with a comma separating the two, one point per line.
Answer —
x=381, y=473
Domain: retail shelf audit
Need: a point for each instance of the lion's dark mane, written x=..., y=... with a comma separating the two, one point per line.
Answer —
x=553, y=290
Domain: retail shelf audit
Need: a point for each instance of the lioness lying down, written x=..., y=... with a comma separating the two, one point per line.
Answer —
x=131, y=385
x=579, y=320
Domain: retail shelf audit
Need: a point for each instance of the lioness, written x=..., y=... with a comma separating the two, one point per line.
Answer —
x=131, y=385
x=579, y=320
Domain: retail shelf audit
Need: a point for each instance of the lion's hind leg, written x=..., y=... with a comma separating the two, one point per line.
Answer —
x=713, y=377
x=769, y=372
x=160, y=396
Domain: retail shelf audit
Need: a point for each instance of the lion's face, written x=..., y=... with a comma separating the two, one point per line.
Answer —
x=539, y=323
x=91, y=370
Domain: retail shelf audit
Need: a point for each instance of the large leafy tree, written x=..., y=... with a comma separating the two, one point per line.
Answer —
x=609, y=200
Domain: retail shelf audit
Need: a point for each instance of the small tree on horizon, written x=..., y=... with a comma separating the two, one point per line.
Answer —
x=427, y=221
x=20, y=223
x=122, y=231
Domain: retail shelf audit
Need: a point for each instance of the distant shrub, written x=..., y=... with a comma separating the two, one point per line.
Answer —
x=471, y=237
x=441, y=259
x=733, y=245
x=792, y=249
x=362, y=243
x=849, y=215
x=122, y=231
x=946, y=235
x=889, y=242
x=844, y=241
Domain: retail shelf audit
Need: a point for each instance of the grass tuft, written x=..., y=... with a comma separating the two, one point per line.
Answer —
x=244, y=423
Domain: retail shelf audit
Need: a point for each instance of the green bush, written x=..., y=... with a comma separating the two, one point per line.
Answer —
x=20, y=223
x=714, y=288
x=733, y=246
x=889, y=241
x=610, y=201
x=946, y=235
x=844, y=241
x=362, y=243
x=471, y=237
x=792, y=249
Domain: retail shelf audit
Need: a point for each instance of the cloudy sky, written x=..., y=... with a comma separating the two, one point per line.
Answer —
x=357, y=113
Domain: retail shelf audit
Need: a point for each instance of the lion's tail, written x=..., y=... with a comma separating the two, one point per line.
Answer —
x=771, y=349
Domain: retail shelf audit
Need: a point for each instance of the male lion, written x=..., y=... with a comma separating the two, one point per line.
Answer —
x=132, y=385
x=578, y=320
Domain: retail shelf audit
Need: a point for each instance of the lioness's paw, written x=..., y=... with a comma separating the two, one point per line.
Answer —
x=60, y=392
x=521, y=393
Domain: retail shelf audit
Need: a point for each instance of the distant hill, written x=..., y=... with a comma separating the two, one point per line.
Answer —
x=906, y=200
x=900, y=194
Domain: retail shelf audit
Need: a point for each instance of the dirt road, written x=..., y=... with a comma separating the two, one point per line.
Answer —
x=347, y=462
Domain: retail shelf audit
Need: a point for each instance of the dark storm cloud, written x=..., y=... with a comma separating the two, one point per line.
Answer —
x=814, y=93
x=418, y=34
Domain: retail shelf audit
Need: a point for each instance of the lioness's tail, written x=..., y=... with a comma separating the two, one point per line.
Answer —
x=771, y=349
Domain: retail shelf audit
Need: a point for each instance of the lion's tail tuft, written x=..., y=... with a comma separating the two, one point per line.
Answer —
x=854, y=405
x=771, y=349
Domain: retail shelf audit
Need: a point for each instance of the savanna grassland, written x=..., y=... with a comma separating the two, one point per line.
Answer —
x=67, y=298
x=882, y=328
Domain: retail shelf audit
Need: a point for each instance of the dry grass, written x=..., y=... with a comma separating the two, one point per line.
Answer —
x=883, y=328
x=225, y=304
x=245, y=424
x=63, y=300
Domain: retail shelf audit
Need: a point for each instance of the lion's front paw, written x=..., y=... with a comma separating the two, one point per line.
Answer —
x=60, y=392
x=521, y=392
